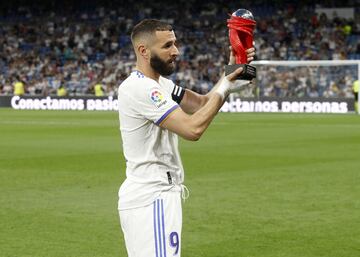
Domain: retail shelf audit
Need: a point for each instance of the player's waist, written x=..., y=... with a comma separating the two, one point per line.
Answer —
x=160, y=176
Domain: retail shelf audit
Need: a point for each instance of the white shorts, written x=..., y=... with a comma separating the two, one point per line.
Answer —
x=154, y=230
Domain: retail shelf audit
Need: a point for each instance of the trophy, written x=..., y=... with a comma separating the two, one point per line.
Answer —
x=241, y=26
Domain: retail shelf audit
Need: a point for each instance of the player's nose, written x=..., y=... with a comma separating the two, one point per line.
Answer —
x=175, y=51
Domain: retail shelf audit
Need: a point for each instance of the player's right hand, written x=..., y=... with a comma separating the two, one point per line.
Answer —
x=232, y=76
x=236, y=84
x=230, y=84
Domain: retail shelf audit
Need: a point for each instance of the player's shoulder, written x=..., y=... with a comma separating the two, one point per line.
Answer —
x=136, y=83
x=165, y=81
x=135, y=78
x=166, y=84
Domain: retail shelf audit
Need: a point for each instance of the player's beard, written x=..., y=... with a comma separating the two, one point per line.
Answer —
x=164, y=68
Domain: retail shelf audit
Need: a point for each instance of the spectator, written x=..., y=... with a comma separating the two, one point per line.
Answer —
x=19, y=88
x=61, y=91
x=84, y=46
x=99, y=89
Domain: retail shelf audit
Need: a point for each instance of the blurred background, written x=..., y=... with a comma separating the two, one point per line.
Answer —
x=76, y=45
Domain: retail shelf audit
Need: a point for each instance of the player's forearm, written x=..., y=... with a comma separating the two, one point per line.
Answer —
x=209, y=94
x=191, y=127
x=192, y=101
x=201, y=119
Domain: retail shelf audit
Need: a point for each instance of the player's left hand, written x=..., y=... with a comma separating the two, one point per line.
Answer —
x=232, y=56
x=250, y=53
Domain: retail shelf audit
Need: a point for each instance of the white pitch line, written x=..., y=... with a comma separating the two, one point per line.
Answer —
x=19, y=122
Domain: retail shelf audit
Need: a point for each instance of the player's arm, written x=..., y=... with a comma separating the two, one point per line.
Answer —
x=191, y=127
x=192, y=101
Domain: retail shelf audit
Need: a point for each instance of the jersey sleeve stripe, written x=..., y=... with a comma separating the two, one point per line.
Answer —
x=166, y=114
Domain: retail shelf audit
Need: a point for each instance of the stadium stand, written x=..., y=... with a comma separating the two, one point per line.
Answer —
x=82, y=44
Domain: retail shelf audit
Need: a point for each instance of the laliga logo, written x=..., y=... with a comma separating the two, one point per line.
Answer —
x=156, y=96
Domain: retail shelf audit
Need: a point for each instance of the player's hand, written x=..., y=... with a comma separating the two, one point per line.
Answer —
x=250, y=54
x=232, y=76
x=232, y=56
x=236, y=84
x=230, y=84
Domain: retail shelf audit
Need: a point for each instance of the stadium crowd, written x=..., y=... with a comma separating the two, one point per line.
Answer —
x=88, y=50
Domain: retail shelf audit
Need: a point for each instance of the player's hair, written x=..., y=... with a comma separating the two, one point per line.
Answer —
x=148, y=27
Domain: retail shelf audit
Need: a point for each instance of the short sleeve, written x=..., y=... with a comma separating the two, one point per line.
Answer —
x=167, y=84
x=153, y=102
x=177, y=92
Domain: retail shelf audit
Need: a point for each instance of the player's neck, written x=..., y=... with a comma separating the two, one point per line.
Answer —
x=148, y=72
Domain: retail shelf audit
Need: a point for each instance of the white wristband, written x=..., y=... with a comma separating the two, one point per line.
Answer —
x=223, y=88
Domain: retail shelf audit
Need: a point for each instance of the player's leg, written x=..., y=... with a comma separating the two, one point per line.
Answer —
x=154, y=230
x=138, y=229
x=168, y=213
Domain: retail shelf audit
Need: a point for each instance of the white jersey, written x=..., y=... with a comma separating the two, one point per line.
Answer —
x=153, y=163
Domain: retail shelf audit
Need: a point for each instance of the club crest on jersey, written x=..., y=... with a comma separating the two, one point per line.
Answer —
x=157, y=98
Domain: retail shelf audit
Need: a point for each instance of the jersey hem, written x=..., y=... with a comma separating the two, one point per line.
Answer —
x=146, y=203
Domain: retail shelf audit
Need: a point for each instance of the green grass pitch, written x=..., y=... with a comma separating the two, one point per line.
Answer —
x=261, y=185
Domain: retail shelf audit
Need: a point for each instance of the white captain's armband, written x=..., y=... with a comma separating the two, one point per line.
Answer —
x=178, y=94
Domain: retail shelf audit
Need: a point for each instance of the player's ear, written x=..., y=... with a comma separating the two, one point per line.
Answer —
x=144, y=51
